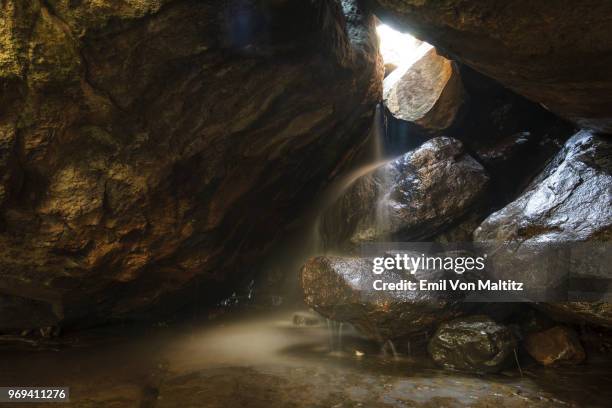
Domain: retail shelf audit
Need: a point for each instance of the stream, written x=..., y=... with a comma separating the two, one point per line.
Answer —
x=255, y=359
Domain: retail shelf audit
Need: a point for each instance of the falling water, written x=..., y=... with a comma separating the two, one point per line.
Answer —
x=389, y=345
x=375, y=158
x=335, y=329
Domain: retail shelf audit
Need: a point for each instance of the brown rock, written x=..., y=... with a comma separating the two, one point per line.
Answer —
x=559, y=345
x=556, y=52
x=389, y=68
x=428, y=94
x=157, y=143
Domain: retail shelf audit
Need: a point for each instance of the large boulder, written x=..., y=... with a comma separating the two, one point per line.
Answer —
x=554, y=52
x=474, y=343
x=428, y=94
x=570, y=203
x=149, y=144
x=342, y=289
x=412, y=197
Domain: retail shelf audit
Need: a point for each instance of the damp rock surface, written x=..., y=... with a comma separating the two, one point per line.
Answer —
x=556, y=53
x=564, y=215
x=342, y=289
x=475, y=343
x=555, y=346
x=412, y=197
x=571, y=200
x=150, y=146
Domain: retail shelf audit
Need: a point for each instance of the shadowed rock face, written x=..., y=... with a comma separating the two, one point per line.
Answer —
x=428, y=94
x=474, y=343
x=341, y=288
x=556, y=52
x=147, y=144
x=571, y=201
x=412, y=197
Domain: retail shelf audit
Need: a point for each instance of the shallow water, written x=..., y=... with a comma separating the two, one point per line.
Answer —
x=266, y=361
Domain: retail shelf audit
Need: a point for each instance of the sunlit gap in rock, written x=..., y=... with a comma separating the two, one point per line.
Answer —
x=399, y=50
x=405, y=59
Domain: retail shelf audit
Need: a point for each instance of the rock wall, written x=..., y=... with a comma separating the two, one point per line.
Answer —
x=148, y=144
x=557, y=52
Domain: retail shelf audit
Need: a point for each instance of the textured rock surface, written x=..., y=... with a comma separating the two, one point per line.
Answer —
x=474, y=343
x=412, y=197
x=557, y=52
x=570, y=201
x=428, y=94
x=341, y=288
x=558, y=345
x=147, y=144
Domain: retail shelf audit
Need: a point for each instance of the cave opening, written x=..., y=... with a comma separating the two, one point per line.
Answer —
x=399, y=49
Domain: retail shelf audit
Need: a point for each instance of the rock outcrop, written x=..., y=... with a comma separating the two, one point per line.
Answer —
x=154, y=143
x=412, y=197
x=342, y=289
x=428, y=94
x=476, y=344
x=570, y=202
x=556, y=53
x=556, y=346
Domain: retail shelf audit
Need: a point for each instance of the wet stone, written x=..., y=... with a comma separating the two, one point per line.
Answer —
x=476, y=344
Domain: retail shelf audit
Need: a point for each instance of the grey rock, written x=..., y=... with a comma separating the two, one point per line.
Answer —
x=475, y=343
x=565, y=215
x=412, y=197
x=571, y=200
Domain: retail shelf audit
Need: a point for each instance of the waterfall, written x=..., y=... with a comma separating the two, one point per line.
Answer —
x=335, y=330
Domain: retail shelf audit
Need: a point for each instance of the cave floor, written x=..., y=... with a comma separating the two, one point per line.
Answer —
x=266, y=361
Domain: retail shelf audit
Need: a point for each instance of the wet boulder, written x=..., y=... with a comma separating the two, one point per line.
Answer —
x=412, y=197
x=343, y=289
x=555, y=233
x=556, y=346
x=428, y=95
x=569, y=201
x=475, y=343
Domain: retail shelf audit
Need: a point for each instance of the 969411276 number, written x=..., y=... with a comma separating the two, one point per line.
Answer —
x=34, y=394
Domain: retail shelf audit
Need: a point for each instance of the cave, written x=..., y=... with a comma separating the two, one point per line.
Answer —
x=308, y=203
